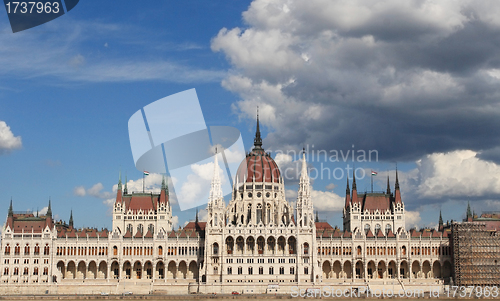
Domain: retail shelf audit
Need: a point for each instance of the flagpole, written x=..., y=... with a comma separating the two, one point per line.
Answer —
x=142, y=182
x=371, y=177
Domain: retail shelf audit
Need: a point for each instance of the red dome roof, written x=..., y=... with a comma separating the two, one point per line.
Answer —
x=260, y=165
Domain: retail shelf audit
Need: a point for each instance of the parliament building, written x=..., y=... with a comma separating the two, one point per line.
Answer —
x=258, y=243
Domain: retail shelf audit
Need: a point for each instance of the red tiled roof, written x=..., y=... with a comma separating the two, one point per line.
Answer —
x=200, y=226
x=380, y=234
x=370, y=234
x=414, y=233
x=149, y=234
x=436, y=234
x=183, y=234
x=323, y=226
x=390, y=234
x=337, y=233
x=193, y=235
x=347, y=234
x=172, y=234
x=426, y=233
x=138, y=234
x=376, y=201
x=71, y=234
x=128, y=234
x=136, y=202
x=103, y=233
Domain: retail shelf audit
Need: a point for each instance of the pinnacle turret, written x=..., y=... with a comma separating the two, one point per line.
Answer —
x=49, y=210
x=388, y=186
x=11, y=211
x=257, y=142
x=71, y=219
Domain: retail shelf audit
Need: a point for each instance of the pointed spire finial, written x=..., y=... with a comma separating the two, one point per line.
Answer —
x=354, y=180
x=196, y=219
x=11, y=211
x=440, y=218
x=469, y=212
x=120, y=181
x=317, y=217
x=71, y=219
x=49, y=210
x=125, y=189
x=388, y=186
x=257, y=142
x=347, y=189
x=397, y=180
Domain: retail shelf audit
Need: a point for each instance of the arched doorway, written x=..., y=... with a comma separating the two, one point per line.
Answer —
x=62, y=269
x=403, y=270
x=326, y=270
x=172, y=270
x=71, y=270
x=371, y=269
x=137, y=270
x=415, y=269
x=148, y=268
x=391, y=269
x=360, y=271
x=160, y=270
x=182, y=269
x=337, y=269
x=381, y=273
x=115, y=270
x=426, y=269
x=436, y=269
x=446, y=270
x=348, y=269
x=193, y=270
x=103, y=270
x=92, y=272
x=127, y=270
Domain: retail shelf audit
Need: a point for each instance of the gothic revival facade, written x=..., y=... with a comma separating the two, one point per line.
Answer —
x=257, y=243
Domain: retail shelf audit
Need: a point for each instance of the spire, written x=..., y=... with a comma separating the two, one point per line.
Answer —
x=163, y=185
x=303, y=173
x=257, y=142
x=354, y=180
x=397, y=180
x=49, y=210
x=120, y=181
x=347, y=194
x=196, y=219
x=388, y=186
x=440, y=219
x=71, y=219
x=469, y=212
x=317, y=217
x=11, y=211
x=125, y=190
x=347, y=189
x=216, y=190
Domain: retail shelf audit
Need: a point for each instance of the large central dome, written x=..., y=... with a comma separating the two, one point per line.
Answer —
x=258, y=165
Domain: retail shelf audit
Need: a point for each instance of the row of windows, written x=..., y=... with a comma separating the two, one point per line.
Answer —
x=334, y=251
x=149, y=251
x=261, y=270
x=26, y=271
x=82, y=251
x=27, y=249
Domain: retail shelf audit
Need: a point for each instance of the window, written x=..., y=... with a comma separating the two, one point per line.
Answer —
x=6, y=271
x=229, y=270
x=271, y=271
x=7, y=249
x=216, y=270
x=387, y=228
x=240, y=270
x=35, y=271
x=17, y=249
x=115, y=250
x=26, y=271
x=367, y=228
x=306, y=248
x=27, y=249
x=292, y=270
x=140, y=229
x=250, y=271
x=160, y=250
x=261, y=270
x=45, y=271
x=16, y=271
x=282, y=270
x=306, y=270
x=216, y=248
x=151, y=228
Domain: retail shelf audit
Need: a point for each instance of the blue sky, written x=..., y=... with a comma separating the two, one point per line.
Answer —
x=416, y=83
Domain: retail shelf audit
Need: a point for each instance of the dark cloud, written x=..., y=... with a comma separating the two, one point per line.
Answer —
x=405, y=78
